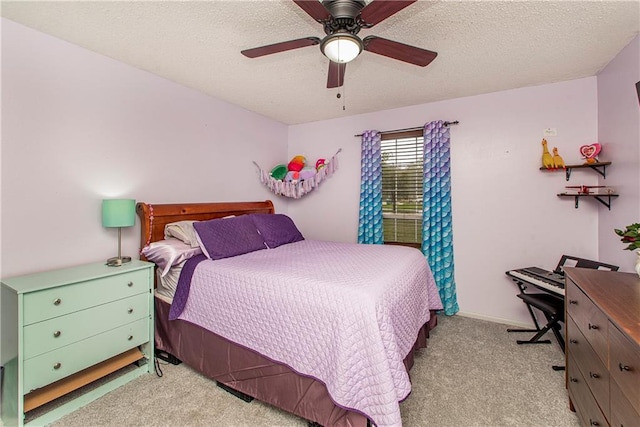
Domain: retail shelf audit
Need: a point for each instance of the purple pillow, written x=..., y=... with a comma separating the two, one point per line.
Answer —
x=277, y=229
x=227, y=237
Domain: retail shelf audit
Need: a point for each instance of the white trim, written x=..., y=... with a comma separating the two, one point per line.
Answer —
x=496, y=320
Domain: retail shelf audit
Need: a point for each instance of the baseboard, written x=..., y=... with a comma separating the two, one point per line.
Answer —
x=495, y=320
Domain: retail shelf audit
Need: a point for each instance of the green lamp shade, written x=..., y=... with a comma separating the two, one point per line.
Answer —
x=118, y=212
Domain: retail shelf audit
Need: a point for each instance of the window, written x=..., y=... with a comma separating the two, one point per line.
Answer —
x=402, y=176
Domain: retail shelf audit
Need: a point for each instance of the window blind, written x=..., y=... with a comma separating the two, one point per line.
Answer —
x=402, y=177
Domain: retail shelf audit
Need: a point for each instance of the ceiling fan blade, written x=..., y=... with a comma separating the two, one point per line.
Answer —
x=314, y=8
x=379, y=10
x=400, y=51
x=336, y=74
x=280, y=47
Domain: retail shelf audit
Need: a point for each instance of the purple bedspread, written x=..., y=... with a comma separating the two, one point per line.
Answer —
x=184, y=284
x=346, y=314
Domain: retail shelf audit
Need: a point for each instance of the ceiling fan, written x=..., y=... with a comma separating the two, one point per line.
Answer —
x=342, y=20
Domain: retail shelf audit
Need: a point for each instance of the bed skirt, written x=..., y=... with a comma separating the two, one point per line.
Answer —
x=255, y=375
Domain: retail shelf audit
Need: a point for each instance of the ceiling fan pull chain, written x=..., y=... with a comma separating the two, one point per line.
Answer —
x=342, y=88
x=341, y=94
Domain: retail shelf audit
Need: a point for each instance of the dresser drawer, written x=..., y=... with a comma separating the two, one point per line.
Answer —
x=579, y=393
x=54, y=333
x=623, y=414
x=589, y=319
x=49, y=303
x=594, y=373
x=625, y=366
x=57, y=364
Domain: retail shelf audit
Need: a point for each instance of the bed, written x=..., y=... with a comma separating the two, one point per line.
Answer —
x=345, y=387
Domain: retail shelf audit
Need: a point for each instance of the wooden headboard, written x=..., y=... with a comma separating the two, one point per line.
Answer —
x=153, y=218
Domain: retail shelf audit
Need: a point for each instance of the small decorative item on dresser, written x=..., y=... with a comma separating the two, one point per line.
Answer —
x=118, y=213
x=631, y=236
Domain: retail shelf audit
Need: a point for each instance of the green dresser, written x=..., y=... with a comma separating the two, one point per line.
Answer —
x=66, y=328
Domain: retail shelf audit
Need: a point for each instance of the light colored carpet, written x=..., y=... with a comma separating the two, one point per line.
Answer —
x=472, y=374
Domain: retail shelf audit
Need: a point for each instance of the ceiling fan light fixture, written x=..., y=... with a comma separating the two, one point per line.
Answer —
x=341, y=47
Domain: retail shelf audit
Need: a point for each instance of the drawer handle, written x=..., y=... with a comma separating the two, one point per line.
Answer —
x=572, y=301
x=594, y=327
x=594, y=375
x=130, y=311
x=57, y=365
x=130, y=284
x=57, y=301
x=593, y=423
x=572, y=341
x=130, y=337
x=56, y=334
x=624, y=367
x=573, y=380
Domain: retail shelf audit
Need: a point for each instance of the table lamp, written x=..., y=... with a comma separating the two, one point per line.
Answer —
x=118, y=213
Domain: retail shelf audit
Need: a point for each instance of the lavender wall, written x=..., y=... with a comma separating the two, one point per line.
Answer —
x=79, y=127
x=619, y=132
x=505, y=210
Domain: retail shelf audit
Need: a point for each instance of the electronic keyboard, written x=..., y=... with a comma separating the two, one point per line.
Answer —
x=546, y=280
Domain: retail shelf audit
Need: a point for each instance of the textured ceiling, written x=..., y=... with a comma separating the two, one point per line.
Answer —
x=483, y=46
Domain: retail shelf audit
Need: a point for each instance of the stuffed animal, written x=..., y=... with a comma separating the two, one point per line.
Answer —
x=296, y=164
x=295, y=170
x=304, y=174
x=307, y=173
x=279, y=172
x=292, y=176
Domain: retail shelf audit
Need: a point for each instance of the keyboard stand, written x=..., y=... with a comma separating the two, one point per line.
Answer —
x=551, y=314
x=536, y=338
x=538, y=329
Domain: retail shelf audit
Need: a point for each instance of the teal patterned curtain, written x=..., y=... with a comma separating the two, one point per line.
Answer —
x=437, y=234
x=370, y=218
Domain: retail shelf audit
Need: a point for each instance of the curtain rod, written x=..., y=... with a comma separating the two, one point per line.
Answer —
x=410, y=129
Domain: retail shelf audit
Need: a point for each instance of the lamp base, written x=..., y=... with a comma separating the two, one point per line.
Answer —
x=118, y=261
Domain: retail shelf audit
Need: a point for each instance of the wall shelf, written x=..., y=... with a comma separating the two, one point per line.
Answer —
x=605, y=199
x=600, y=167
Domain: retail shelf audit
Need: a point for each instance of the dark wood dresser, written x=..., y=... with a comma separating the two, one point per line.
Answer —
x=603, y=346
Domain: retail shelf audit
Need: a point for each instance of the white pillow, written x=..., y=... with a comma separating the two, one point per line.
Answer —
x=182, y=230
x=169, y=252
x=168, y=284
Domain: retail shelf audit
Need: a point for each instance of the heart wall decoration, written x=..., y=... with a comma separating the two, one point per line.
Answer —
x=590, y=152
